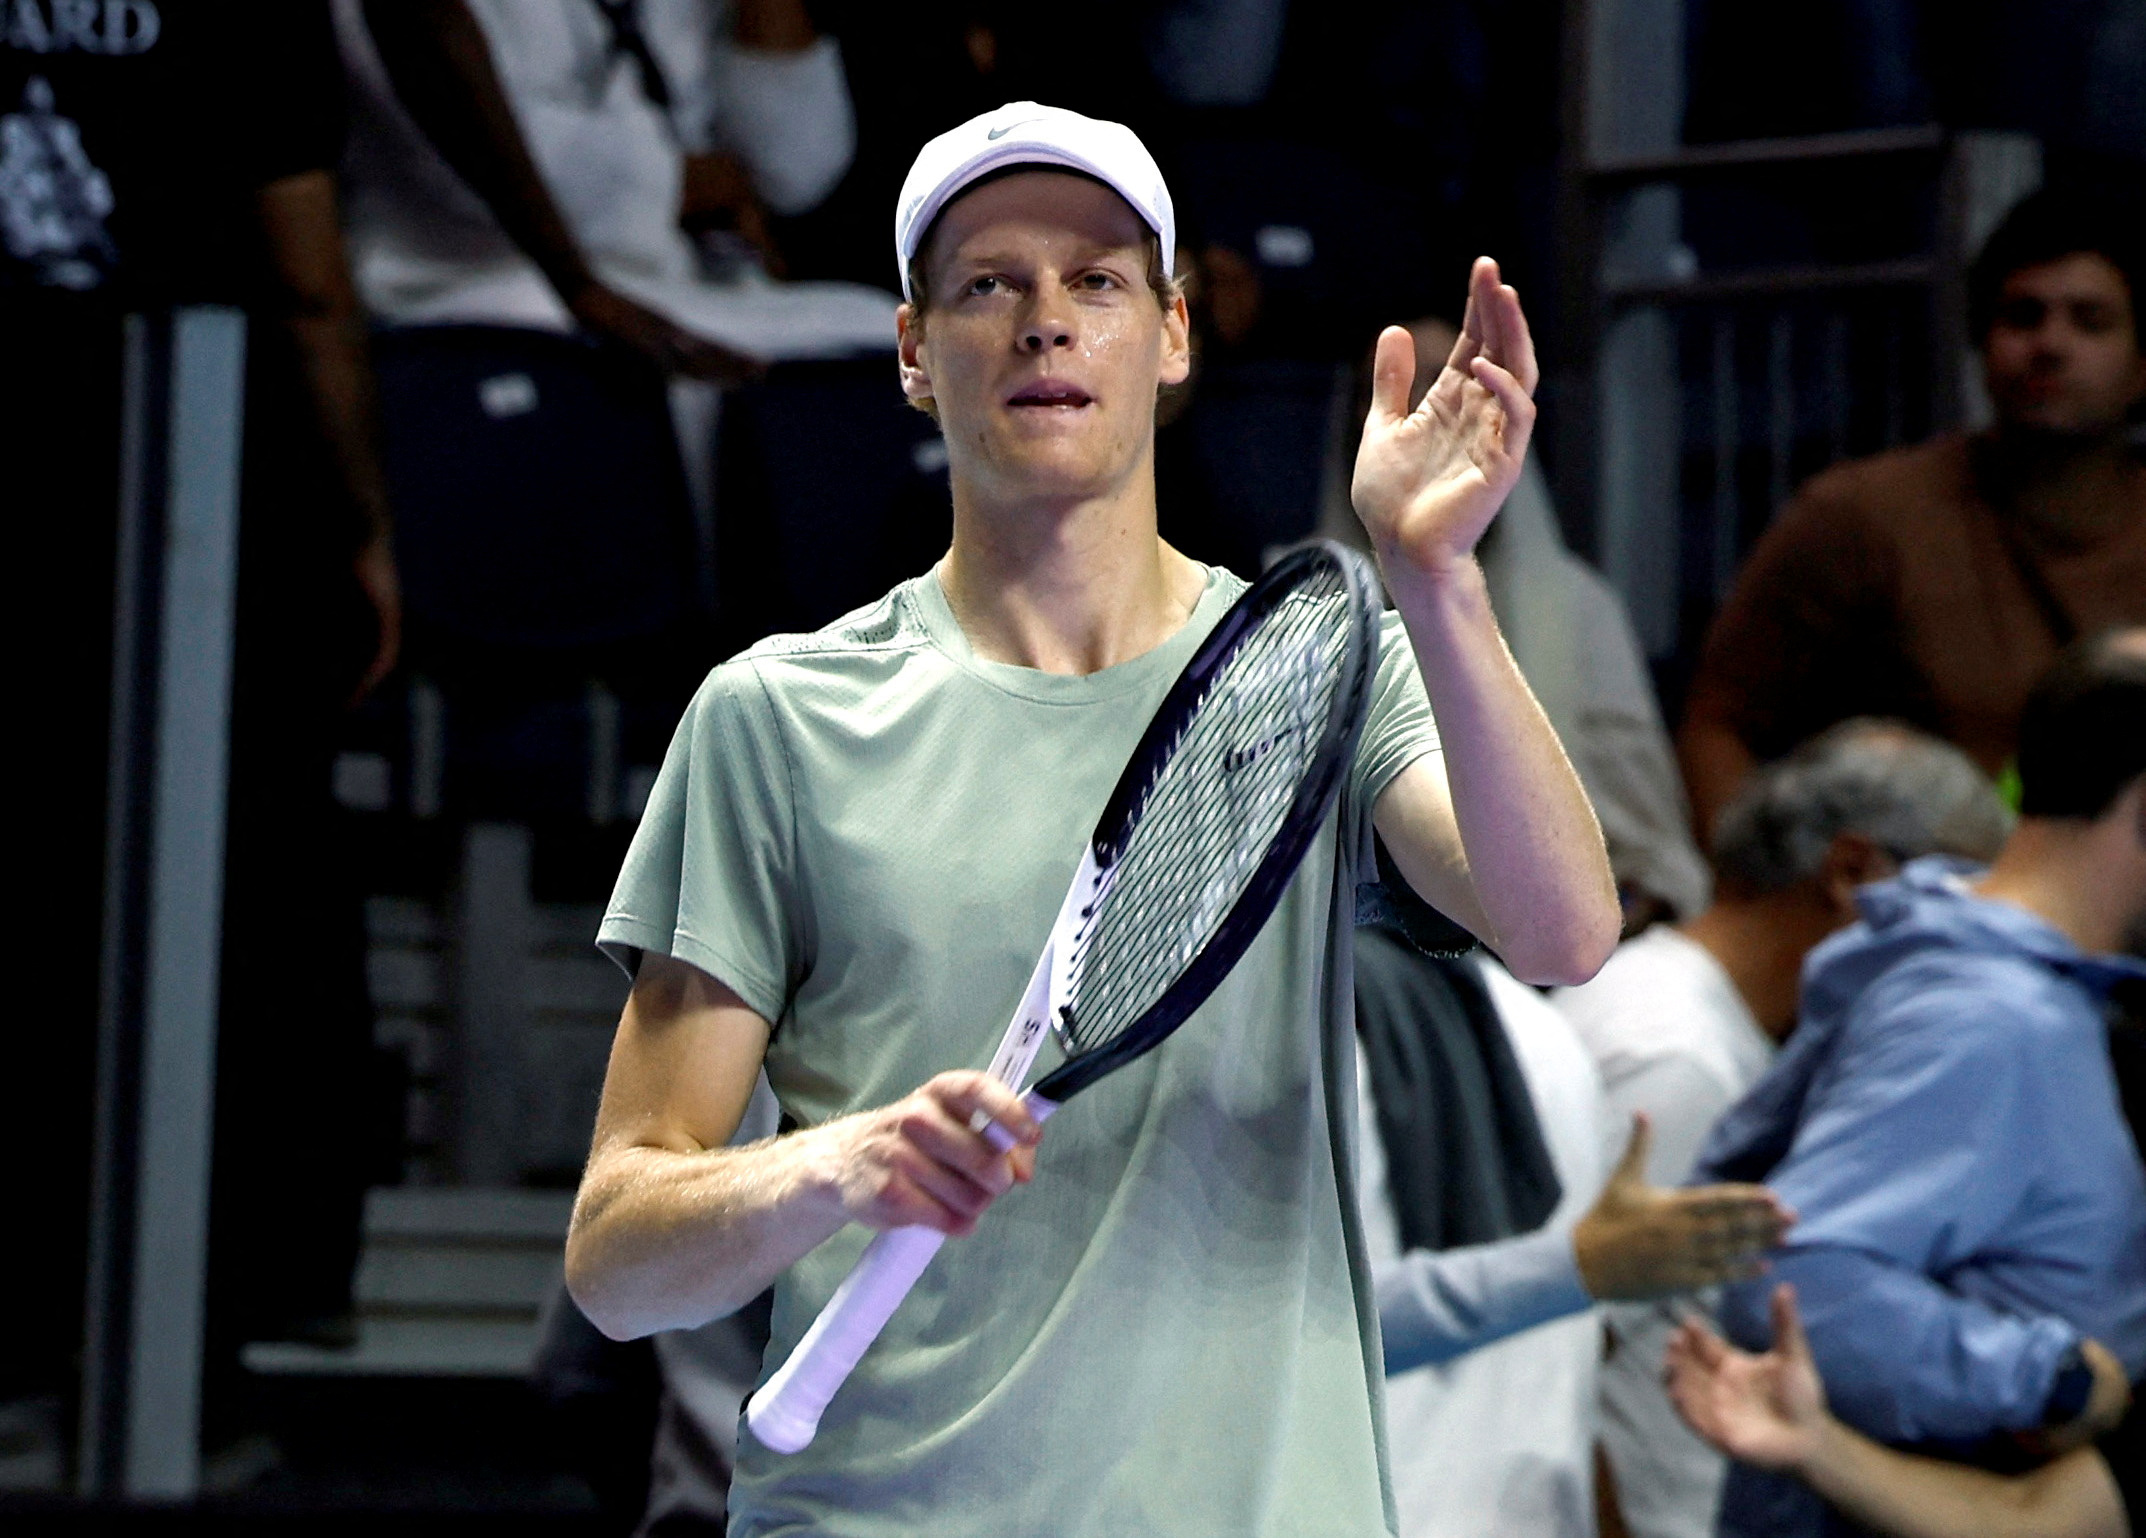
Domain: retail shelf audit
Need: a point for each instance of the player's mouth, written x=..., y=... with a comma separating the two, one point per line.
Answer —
x=1050, y=394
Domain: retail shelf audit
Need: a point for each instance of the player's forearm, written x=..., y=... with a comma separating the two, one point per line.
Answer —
x=1912, y=1497
x=663, y=1239
x=1535, y=852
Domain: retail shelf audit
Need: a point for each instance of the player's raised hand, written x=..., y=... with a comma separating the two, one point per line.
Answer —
x=921, y=1161
x=1429, y=480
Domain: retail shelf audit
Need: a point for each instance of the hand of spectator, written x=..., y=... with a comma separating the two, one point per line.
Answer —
x=1765, y=1410
x=2106, y=1405
x=1641, y=1240
x=926, y=1158
x=1429, y=480
x=382, y=586
x=670, y=347
x=716, y=192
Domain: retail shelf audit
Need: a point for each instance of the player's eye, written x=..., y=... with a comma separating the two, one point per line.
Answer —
x=1096, y=282
x=985, y=286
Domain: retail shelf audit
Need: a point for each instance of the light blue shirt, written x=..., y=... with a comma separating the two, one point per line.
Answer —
x=1971, y=1203
x=1435, y=1305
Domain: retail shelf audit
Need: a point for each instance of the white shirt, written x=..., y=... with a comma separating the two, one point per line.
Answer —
x=1673, y=1038
x=425, y=250
x=1499, y=1443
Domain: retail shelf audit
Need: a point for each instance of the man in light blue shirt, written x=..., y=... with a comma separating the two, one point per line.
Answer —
x=1945, y=1121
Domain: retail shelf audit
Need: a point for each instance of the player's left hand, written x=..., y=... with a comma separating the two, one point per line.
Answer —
x=1429, y=481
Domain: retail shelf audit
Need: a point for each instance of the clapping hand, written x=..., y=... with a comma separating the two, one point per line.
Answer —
x=1429, y=480
x=1767, y=1410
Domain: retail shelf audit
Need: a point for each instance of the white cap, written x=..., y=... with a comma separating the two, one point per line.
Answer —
x=1028, y=133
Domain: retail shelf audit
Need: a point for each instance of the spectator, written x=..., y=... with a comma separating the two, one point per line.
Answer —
x=1569, y=633
x=1770, y=1411
x=1683, y=1020
x=534, y=163
x=1488, y=1248
x=1946, y=1120
x=182, y=153
x=1936, y=583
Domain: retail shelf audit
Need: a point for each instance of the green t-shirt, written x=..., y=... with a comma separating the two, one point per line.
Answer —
x=866, y=832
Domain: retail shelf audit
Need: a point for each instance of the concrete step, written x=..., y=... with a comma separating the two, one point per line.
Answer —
x=450, y=1284
x=401, y=1346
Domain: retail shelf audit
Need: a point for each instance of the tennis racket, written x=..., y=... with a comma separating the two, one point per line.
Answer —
x=1208, y=823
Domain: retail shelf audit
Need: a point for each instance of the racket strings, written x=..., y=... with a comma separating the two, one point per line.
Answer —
x=1215, y=805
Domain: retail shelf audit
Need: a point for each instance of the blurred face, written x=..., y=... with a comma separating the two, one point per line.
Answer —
x=2062, y=355
x=1043, y=345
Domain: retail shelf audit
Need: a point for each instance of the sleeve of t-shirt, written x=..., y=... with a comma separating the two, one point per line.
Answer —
x=1801, y=640
x=711, y=876
x=788, y=116
x=288, y=108
x=1398, y=728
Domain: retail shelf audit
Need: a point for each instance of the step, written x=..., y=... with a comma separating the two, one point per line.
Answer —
x=410, y=1346
x=467, y=1215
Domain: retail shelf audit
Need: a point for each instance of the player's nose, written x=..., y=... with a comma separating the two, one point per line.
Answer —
x=1049, y=323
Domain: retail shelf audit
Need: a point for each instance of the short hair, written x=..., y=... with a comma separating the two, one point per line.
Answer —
x=2048, y=226
x=2082, y=736
x=1905, y=791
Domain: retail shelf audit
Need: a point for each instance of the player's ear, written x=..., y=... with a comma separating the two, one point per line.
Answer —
x=1176, y=339
x=909, y=350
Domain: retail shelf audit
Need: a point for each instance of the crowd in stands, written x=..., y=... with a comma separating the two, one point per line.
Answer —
x=1886, y=896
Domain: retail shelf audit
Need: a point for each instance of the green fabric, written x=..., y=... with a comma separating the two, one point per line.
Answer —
x=866, y=832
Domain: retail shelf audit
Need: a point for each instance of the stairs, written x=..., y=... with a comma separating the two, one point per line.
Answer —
x=451, y=1284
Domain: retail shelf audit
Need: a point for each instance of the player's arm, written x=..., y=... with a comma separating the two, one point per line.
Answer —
x=672, y=1228
x=1770, y=1410
x=1496, y=830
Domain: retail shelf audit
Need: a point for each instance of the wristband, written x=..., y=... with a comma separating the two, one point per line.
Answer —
x=2071, y=1389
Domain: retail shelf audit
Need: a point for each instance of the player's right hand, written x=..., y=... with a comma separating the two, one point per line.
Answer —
x=921, y=1162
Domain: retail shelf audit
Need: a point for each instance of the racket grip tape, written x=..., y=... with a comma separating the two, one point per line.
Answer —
x=785, y=1413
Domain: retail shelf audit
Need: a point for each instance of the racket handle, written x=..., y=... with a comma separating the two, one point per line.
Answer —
x=785, y=1413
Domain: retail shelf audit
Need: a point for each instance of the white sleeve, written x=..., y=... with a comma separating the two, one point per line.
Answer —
x=788, y=117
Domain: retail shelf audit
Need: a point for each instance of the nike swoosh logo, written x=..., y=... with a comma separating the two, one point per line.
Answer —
x=1000, y=133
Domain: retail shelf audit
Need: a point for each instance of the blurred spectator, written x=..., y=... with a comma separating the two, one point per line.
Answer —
x=1492, y=1230
x=1500, y=1439
x=181, y=153
x=538, y=162
x=1683, y=1020
x=1569, y=633
x=1770, y=1411
x=1936, y=583
x=1946, y=1120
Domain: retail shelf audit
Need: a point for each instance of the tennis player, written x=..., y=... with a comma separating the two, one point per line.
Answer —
x=859, y=841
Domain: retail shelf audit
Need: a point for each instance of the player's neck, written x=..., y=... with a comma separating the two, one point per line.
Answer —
x=1066, y=587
